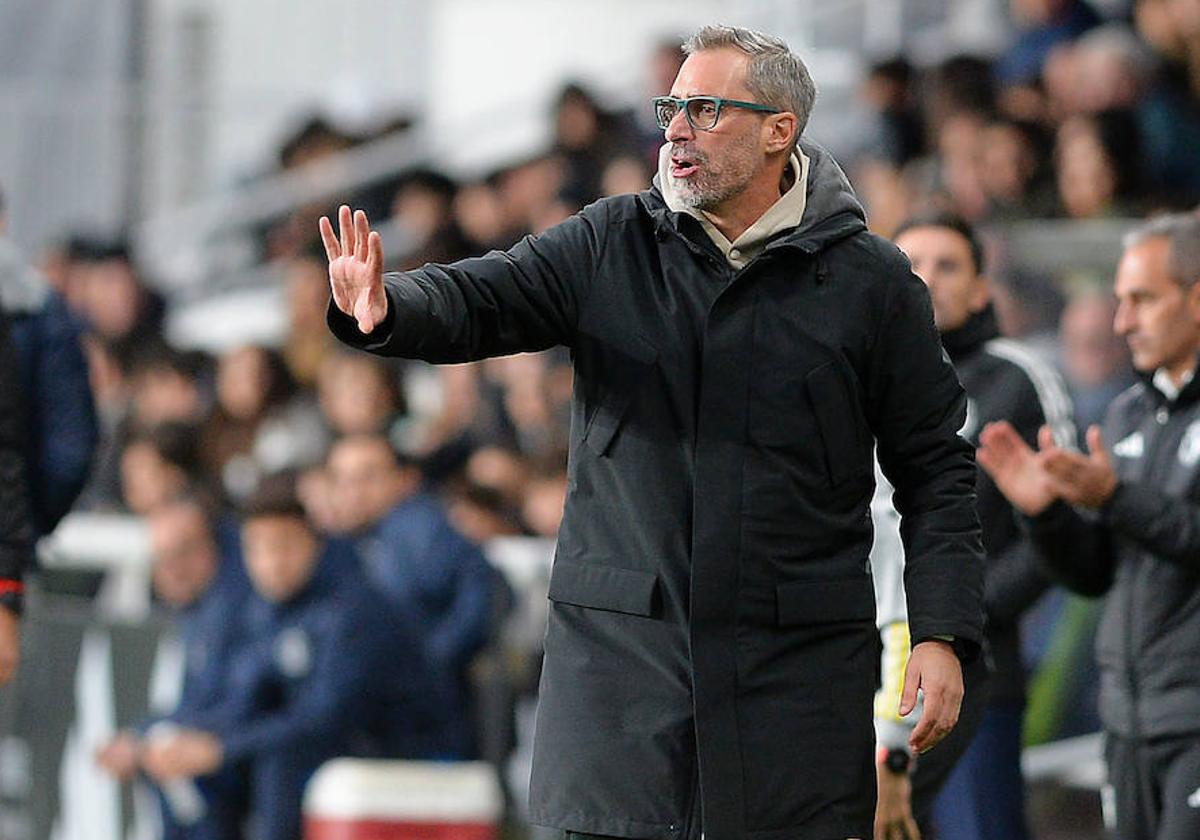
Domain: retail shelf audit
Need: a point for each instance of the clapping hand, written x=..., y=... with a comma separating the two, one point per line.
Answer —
x=355, y=268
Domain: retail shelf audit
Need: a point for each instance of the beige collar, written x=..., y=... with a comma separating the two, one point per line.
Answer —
x=784, y=214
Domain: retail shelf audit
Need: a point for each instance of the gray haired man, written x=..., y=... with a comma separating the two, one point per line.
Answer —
x=1138, y=538
x=740, y=341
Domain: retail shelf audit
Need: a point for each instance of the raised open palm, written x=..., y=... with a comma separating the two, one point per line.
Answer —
x=355, y=268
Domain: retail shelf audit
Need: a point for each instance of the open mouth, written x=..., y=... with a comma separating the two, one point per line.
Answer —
x=682, y=167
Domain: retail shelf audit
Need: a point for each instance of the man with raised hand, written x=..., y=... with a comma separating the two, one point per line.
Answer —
x=1124, y=520
x=740, y=341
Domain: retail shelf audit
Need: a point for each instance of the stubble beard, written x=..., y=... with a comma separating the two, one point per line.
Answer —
x=712, y=185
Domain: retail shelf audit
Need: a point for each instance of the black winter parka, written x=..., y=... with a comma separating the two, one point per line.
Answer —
x=711, y=645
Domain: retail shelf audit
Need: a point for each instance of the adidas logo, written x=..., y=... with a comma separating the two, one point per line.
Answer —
x=1133, y=446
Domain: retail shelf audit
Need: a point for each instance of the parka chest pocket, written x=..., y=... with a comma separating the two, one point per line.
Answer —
x=847, y=452
x=811, y=415
x=625, y=374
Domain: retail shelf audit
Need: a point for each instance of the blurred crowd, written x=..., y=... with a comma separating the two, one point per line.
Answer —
x=414, y=466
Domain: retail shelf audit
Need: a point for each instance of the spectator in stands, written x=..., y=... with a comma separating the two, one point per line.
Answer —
x=480, y=213
x=423, y=205
x=428, y=571
x=626, y=173
x=545, y=494
x=1099, y=165
x=1121, y=520
x=1095, y=360
x=307, y=280
x=16, y=518
x=59, y=419
x=898, y=133
x=1016, y=173
x=203, y=580
x=586, y=137
x=1043, y=25
x=983, y=794
x=328, y=666
x=482, y=513
x=104, y=287
x=258, y=424
x=1113, y=70
x=360, y=395
x=158, y=464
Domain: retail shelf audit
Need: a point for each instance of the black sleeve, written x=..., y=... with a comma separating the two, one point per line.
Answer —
x=1165, y=526
x=1015, y=580
x=1074, y=551
x=525, y=299
x=917, y=407
x=16, y=520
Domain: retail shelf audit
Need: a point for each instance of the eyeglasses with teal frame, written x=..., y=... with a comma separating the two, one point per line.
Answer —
x=702, y=112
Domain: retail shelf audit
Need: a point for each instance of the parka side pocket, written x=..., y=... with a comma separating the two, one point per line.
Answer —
x=834, y=407
x=603, y=587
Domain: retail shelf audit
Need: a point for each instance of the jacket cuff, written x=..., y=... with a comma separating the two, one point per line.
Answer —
x=1131, y=508
x=345, y=328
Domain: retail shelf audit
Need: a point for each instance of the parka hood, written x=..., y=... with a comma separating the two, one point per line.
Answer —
x=831, y=212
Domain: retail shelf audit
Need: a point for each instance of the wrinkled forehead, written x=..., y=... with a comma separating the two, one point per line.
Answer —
x=715, y=72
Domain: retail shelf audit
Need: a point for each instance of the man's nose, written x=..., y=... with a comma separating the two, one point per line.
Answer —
x=1122, y=321
x=679, y=128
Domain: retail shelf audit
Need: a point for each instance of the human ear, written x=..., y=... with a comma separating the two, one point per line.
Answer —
x=780, y=130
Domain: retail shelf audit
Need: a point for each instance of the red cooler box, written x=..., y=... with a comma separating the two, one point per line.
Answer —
x=355, y=799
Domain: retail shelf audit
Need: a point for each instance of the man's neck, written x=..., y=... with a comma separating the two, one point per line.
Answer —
x=1181, y=374
x=735, y=216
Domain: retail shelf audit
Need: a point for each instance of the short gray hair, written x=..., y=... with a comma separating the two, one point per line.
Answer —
x=1182, y=232
x=775, y=75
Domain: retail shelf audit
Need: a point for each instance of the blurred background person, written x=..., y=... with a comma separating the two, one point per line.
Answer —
x=982, y=790
x=330, y=671
x=204, y=583
x=1118, y=521
x=428, y=570
x=16, y=517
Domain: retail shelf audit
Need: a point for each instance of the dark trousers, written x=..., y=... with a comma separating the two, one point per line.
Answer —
x=1155, y=787
x=225, y=799
x=984, y=797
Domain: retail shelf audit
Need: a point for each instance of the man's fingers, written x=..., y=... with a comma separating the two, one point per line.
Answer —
x=375, y=254
x=362, y=232
x=1046, y=439
x=908, y=696
x=329, y=238
x=346, y=228
x=1095, y=442
x=919, y=740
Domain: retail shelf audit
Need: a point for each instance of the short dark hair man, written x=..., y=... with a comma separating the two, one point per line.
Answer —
x=984, y=794
x=739, y=342
x=1140, y=542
